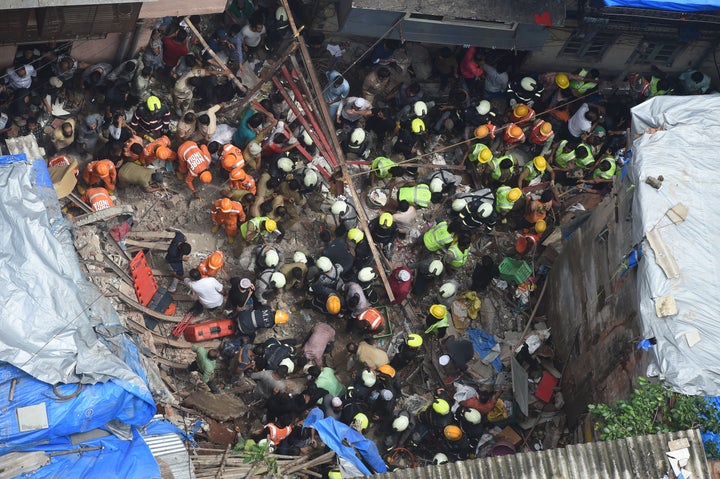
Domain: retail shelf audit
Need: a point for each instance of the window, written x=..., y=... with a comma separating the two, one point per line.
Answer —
x=659, y=52
x=588, y=46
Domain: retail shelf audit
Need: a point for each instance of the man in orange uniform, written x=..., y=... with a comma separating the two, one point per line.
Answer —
x=158, y=149
x=240, y=180
x=211, y=265
x=228, y=213
x=133, y=148
x=193, y=161
x=98, y=198
x=231, y=157
x=101, y=171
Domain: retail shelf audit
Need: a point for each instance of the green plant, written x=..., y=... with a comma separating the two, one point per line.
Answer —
x=654, y=408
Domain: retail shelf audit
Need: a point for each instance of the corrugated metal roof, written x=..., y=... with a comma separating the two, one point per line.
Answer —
x=632, y=458
x=171, y=453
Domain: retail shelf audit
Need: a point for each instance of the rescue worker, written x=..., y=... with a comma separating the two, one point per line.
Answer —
x=435, y=416
x=470, y=421
x=514, y=135
x=212, y=264
x=231, y=157
x=541, y=135
x=262, y=317
x=505, y=199
x=363, y=253
x=193, y=162
x=589, y=81
x=527, y=90
x=427, y=271
x=479, y=154
x=502, y=168
x=241, y=181
x=477, y=212
x=346, y=218
x=325, y=300
x=398, y=430
x=137, y=175
x=458, y=252
x=159, y=149
x=267, y=256
x=384, y=231
x=407, y=352
x=257, y=228
x=356, y=143
x=437, y=320
x=604, y=172
x=151, y=117
x=266, y=282
x=371, y=320
x=522, y=114
x=533, y=171
x=227, y=213
x=133, y=149
x=385, y=168
x=564, y=155
x=330, y=274
x=583, y=156
x=455, y=441
x=296, y=271
x=437, y=237
x=536, y=209
x=100, y=171
x=366, y=279
x=418, y=195
x=98, y=198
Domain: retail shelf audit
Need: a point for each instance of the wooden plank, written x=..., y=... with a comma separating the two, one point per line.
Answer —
x=663, y=256
x=152, y=235
x=161, y=245
x=102, y=215
x=79, y=203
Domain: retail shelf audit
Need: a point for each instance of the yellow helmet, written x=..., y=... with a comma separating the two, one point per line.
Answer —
x=540, y=226
x=438, y=311
x=334, y=474
x=546, y=128
x=414, y=340
x=356, y=235
x=417, y=126
x=361, y=420
x=514, y=194
x=562, y=80
x=386, y=220
x=270, y=225
x=481, y=132
x=387, y=370
x=441, y=406
x=332, y=305
x=520, y=111
x=153, y=103
x=206, y=176
x=540, y=163
x=452, y=433
x=485, y=155
x=515, y=131
x=281, y=317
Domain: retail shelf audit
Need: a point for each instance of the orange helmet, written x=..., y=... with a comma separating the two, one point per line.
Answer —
x=520, y=111
x=163, y=153
x=546, y=128
x=102, y=169
x=215, y=261
x=387, y=370
x=452, y=433
x=481, y=132
x=333, y=304
x=238, y=174
x=515, y=131
x=229, y=161
x=206, y=176
x=226, y=205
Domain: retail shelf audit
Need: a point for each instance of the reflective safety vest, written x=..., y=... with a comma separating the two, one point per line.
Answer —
x=496, y=173
x=536, y=135
x=440, y=323
x=127, y=153
x=459, y=256
x=606, y=175
x=588, y=160
x=257, y=224
x=582, y=86
x=418, y=195
x=236, y=209
x=228, y=150
x=477, y=149
x=437, y=237
x=534, y=172
x=654, y=87
x=381, y=166
x=502, y=203
x=374, y=318
x=196, y=158
x=563, y=159
x=277, y=434
x=511, y=140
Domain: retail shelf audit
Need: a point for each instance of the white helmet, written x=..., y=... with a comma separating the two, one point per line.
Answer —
x=483, y=107
x=324, y=264
x=306, y=139
x=485, y=210
x=278, y=280
x=272, y=258
x=366, y=274
x=420, y=108
x=400, y=423
x=339, y=207
x=255, y=148
x=285, y=164
x=436, y=185
x=368, y=378
x=459, y=204
x=311, y=179
x=281, y=14
x=436, y=267
x=447, y=290
x=440, y=458
x=472, y=416
x=357, y=137
x=289, y=364
x=299, y=257
x=528, y=83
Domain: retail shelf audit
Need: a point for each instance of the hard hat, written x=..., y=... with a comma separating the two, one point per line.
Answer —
x=361, y=421
x=452, y=433
x=440, y=458
x=311, y=179
x=336, y=402
x=485, y=155
x=400, y=423
x=444, y=360
x=334, y=474
x=540, y=163
x=441, y=406
x=414, y=340
x=332, y=305
x=438, y=311
x=270, y=225
x=229, y=160
x=339, y=207
x=263, y=443
x=417, y=125
x=481, y=132
x=459, y=204
x=206, y=176
x=368, y=378
x=521, y=110
x=324, y=264
x=404, y=275
x=281, y=14
x=540, y=226
x=447, y=290
x=153, y=103
x=281, y=317
x=387, y=370
x=366, y=274
x=102, y=169
x=436, y=267
x=528, y=83
x=299, y=257
x=254, y=148
x=289, y=364
x=163, y=153
x=386, y=220
x=226, y=205
x=285, y=164
x=562, y=80
x=546, y=128
x=216, y=260
x=238, y=174
x=420, y=109
x=245, y=283
x=483, y=108
x=356, y=235
x=278, y=279
x=306, y=138
x=436, y=185
x=514, y=194
x=272, y=258
x=515, y=131
x=357, y=137
x=485, y=210
x=472, y=416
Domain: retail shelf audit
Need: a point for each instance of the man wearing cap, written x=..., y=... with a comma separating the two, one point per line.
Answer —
x=352, y=109
x=332, y=406
x=400, y=281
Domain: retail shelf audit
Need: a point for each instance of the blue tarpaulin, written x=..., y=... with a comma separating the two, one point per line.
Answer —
x=678, y=6
x=483, y=343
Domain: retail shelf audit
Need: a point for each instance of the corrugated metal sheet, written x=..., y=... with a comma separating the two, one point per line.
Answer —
x=171, y=454
x=633, y=458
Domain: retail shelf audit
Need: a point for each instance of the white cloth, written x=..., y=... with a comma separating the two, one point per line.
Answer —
x=223, y=134
x=250, y=37
x=577, y=124
x=208, y=290
x=16, y=81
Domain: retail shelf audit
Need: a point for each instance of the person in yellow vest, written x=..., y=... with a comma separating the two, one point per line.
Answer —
x=563, y=155
x=583, y=156
x=212, y=264
x=437, y=320
x=604, y=172
x=438, y=237
x=590, y=78
x=415, y=195
x=534, y=170
x=478, y=155
x=505, y=199
x=458, y=252
x=501, y=169
x=257, y=228
x=385, y=168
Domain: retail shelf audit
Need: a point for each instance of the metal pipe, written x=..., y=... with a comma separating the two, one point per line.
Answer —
x=135, y=38
x=122, y=50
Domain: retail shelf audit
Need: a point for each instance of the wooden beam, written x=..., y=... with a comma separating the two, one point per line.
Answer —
x=162, y=245
x=152, y=235
x=102, y=215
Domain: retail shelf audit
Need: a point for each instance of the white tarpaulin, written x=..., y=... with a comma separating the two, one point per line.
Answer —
x=678, y=138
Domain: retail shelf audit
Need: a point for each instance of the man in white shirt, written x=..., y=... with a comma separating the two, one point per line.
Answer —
x=254, y=36
x=21, y=77
x=209, y=291
x=583, y=121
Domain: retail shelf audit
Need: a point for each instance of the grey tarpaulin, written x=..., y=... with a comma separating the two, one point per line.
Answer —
x=686, y=152
x=49, y=313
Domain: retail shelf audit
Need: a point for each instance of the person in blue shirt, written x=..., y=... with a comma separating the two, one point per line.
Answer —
x=337, y=90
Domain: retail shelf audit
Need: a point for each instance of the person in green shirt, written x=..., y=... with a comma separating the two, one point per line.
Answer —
x=204, y=364
x=325, y=379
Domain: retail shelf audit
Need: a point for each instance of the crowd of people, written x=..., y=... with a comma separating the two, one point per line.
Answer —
x=517, y=144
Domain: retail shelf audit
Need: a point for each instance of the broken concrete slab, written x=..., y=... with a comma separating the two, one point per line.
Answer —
x=221, y=407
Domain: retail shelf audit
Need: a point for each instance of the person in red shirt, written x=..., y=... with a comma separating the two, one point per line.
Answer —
x=400, y=283
x=471, y=68
x=174, y=48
